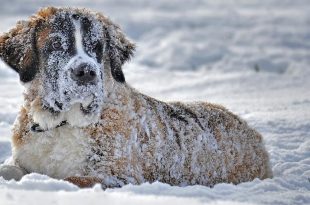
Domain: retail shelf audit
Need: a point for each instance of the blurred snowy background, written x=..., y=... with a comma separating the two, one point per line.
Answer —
x=252, y=56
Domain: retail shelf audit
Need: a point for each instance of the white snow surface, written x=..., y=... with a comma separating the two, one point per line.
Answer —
x=252, y=56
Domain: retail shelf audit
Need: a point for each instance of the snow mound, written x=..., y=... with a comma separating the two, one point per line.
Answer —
x=38, y=182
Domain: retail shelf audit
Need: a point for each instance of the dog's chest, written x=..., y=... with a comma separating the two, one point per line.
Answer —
x=60, y=153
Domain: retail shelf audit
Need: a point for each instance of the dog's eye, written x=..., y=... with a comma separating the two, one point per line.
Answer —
x=56, y=45
x=75, y=16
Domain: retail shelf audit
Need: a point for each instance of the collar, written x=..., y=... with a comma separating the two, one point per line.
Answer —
x=36, y=127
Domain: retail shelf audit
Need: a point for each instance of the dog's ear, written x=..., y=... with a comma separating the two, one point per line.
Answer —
x=17, y=49
x=119, y=50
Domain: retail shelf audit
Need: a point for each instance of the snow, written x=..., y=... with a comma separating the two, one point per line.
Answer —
x=253, y=57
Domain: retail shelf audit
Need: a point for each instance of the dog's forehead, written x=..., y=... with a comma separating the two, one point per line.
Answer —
x=64, y=26
x=64, y=22
x=61, y=22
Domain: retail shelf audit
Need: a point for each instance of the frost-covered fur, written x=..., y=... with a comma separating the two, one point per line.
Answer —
x=111, y=133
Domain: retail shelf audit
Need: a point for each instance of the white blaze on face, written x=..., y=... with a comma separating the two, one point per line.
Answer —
x=81, y=55
x=78, y=37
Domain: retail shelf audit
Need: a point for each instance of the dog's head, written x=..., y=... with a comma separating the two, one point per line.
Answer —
x=65, y=58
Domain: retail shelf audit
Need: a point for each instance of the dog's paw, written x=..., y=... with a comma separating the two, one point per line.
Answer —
x=9, y=172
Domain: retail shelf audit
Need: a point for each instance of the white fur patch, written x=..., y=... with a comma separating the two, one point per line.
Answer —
x=74, y=117
x=58, y=153
x=78, y=38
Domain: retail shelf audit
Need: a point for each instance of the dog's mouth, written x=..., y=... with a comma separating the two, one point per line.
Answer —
x=90, y=108
x=70, y=106
x=79, y=113
x=87, y=105
x=51, y=109
x=84, y=109
x=37, y=128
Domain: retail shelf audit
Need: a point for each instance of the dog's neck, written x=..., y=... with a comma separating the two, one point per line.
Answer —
x=117, y=96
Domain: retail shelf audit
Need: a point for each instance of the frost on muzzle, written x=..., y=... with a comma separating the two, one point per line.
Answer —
x=74, y=75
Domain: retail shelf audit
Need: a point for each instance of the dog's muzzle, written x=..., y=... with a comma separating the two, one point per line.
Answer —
x=84, y=74
x=79, y=82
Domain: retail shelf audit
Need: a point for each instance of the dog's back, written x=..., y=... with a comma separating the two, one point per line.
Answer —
x=180, y=144
x=219, y=146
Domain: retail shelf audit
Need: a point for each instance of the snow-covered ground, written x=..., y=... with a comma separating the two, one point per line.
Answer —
x=251, y=56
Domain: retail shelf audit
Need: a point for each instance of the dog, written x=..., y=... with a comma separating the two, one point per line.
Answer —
x=81, y=122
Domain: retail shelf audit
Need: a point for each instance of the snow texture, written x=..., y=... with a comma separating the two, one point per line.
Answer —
x=252, y=57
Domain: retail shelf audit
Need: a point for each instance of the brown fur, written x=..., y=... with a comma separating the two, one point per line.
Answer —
x=84, y=182
x=47, y=12
x=42, y=37
x=20, y=130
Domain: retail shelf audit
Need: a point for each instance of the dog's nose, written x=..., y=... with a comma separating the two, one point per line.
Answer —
x=84, y=74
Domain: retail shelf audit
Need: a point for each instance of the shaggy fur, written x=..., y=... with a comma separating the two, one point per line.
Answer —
x=119, y=136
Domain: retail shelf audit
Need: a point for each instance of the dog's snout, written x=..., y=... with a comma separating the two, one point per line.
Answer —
x=84, y=74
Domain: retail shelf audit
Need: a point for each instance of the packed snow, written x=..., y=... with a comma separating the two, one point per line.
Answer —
x=253, y=57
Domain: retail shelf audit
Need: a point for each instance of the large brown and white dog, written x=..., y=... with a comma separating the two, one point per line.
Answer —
x=81, y=122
